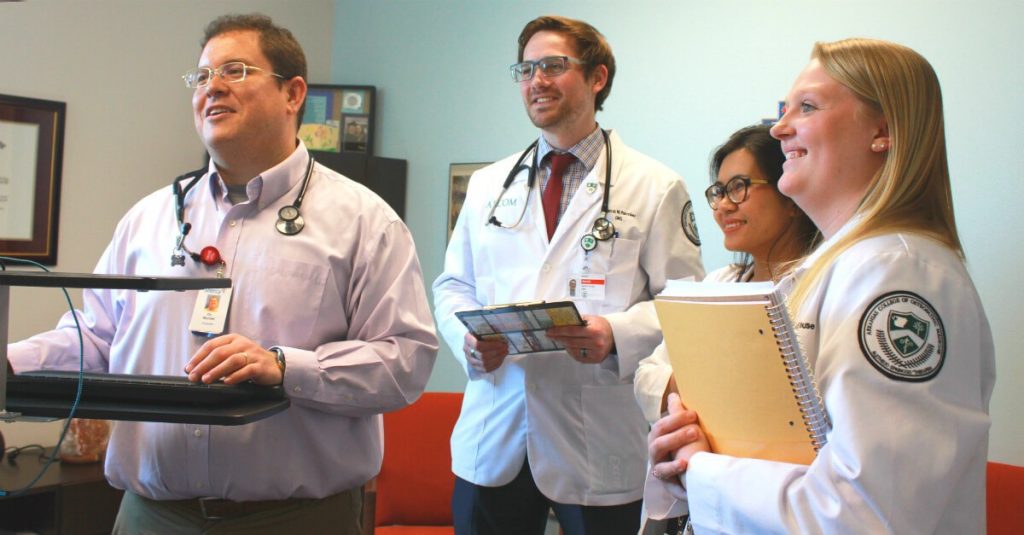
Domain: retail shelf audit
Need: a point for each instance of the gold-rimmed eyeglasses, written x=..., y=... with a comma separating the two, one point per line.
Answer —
x=233, y=72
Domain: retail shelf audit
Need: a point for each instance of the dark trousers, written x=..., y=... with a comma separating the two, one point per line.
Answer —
x=519, y=508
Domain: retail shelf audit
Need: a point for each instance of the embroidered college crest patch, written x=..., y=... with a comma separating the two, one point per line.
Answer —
x=902, y=336
x=689, y=223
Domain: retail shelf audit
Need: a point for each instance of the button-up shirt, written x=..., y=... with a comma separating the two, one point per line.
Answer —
x=344, y=299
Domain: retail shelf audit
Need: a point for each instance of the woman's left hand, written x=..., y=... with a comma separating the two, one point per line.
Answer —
x=673, y=440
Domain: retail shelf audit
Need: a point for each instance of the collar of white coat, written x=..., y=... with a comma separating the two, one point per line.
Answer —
x=820, y=250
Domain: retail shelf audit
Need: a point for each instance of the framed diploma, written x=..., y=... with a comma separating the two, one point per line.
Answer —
x=31, y=154
x=339, y=118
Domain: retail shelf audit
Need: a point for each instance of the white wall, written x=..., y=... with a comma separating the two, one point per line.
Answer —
x=690, y=73
x=118, y=65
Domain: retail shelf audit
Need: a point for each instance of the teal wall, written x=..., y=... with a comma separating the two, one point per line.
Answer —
x=689, y=74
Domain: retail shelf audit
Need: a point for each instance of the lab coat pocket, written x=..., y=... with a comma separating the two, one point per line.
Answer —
x=278, y=299
x=615, y=432
x=617, y=259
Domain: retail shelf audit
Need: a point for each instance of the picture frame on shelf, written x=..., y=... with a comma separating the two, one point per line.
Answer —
x=339, y=118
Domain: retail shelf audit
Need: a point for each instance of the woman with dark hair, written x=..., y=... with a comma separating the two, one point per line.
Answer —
x=764, y=227
x=887, y=315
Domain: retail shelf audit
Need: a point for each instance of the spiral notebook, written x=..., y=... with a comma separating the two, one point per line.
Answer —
x=737, y=362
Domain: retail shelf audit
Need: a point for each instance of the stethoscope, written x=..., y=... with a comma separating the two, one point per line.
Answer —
x=289, y=219
x=602, y=230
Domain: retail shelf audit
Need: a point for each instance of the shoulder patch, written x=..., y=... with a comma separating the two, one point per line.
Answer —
x=689, y=223
x=902, y=336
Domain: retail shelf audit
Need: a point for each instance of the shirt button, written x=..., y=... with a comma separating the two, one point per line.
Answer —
x=198, y=432
x=545, y=268
x=233, y=223
x=297, y=389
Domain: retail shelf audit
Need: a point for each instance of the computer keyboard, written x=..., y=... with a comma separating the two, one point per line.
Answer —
x=147, y=389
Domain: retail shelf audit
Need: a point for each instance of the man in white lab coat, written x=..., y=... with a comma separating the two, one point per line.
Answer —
x=561, y=429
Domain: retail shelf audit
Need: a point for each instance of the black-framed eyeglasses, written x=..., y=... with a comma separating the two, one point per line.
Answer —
x=549, y=66
x=233, y=72
x=735, y=188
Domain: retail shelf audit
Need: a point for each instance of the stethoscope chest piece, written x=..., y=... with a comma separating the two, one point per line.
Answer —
x=603, y=229
x=289, y=222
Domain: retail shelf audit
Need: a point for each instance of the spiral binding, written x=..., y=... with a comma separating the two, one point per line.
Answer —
x=801, y=377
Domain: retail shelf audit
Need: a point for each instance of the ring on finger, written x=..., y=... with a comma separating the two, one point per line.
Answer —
x=246, y=357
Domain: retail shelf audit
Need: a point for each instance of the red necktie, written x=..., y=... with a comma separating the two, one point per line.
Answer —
x=552, y=197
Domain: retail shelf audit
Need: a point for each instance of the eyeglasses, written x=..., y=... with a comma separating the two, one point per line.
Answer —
x=735, y=188
x=550, y=66
x=233, y=72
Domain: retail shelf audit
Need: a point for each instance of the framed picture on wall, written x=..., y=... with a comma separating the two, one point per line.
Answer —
x=458, y=181
x=31, y=157
x=339, y=118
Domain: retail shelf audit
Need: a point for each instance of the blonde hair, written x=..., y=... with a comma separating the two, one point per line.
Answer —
x=910, y=192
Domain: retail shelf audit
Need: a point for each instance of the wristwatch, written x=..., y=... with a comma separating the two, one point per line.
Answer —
x=279, y=357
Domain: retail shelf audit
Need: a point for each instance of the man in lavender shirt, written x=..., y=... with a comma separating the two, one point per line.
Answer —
x=337, y=314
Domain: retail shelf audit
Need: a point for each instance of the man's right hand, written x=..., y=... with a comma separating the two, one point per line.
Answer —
x=484, y=356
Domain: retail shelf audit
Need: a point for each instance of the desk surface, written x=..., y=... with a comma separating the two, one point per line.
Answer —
x=28, y=464
x=69, y=499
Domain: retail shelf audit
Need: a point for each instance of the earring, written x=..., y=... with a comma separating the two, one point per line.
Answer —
x=880, y=146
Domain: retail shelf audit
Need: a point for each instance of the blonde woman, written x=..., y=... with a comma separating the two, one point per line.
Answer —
x=887, y=315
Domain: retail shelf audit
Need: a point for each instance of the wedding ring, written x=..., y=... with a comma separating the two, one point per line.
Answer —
x=246, y=356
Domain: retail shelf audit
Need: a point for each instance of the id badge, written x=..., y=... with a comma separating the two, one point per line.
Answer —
x=210, y=311
x=589, y=286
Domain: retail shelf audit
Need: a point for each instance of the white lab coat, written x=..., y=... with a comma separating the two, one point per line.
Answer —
x=578, y=423
x=903, y=456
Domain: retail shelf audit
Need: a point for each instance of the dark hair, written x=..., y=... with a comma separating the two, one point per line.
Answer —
x=590, y=45
x=767, y=153
x=277, y=44
x=766, y=150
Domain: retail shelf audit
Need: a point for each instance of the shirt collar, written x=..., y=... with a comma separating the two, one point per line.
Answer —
x=270, y=185
x=586, y=151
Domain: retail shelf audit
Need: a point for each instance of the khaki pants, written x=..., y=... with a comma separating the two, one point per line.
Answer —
x=340, y=513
